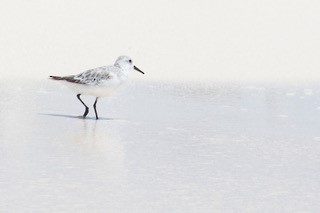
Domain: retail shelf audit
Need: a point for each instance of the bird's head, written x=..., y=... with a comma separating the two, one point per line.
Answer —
x=125, y=63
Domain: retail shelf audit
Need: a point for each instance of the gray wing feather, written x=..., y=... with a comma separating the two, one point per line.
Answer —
x=92, y=77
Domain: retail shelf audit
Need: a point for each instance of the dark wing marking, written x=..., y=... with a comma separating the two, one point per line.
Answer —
x=67, y=78
x=56, y=77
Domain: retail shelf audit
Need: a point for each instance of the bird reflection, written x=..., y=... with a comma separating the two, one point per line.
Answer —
x=87, y=134
x=83, y=132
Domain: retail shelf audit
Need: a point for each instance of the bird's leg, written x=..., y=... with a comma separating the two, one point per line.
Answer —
x=87, y=108
x=95, y=108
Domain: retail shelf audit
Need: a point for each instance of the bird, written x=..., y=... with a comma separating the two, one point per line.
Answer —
x=99, y=82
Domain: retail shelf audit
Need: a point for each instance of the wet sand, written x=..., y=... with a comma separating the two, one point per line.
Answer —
x=160, y=147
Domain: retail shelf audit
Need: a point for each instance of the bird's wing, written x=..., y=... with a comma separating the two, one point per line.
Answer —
x=91, y=77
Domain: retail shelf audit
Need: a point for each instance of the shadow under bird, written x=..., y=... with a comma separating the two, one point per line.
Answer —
x=99, y=82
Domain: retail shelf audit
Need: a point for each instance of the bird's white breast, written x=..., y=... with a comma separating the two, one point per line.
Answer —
x=104, y=88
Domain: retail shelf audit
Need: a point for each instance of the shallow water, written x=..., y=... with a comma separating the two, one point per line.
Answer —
x=161, y=147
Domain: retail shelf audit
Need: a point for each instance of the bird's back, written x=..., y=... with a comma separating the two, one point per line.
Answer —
x=100, y=81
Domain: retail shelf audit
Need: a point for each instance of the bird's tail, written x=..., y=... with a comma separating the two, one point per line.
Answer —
x=56, y=77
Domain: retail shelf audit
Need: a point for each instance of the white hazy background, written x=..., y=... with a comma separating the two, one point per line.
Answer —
x=170, y=40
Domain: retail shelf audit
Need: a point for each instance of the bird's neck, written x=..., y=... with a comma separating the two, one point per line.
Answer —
x=123, y=74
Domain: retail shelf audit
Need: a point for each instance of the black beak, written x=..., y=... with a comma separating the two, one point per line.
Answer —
x=136, y=68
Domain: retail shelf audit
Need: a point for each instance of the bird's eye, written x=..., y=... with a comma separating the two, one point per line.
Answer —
x=130, y=61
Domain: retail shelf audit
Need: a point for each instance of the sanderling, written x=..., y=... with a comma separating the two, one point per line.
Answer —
x=99, y=82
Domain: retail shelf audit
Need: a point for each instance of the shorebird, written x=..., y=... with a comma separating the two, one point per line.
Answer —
x=99, y=82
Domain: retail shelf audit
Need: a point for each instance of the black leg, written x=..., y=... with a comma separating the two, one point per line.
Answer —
x=95, y=108
x=87, y=108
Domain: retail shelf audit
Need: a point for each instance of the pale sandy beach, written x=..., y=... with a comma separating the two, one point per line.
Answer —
x=160, y=147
